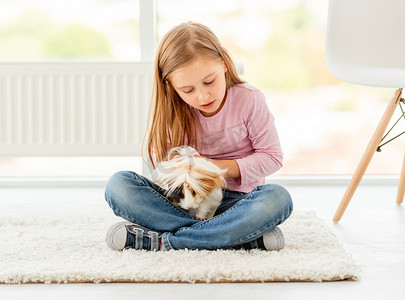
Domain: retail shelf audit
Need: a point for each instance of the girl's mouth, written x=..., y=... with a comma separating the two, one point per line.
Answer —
x=208, y=105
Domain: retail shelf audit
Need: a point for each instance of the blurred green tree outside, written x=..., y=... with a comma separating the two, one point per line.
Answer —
x=289, y=58
x=292, y=55
x=35, y=37
x=76, y=41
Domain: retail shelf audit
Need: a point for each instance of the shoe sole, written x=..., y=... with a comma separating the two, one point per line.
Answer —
x=280, y=238
x=113, y=231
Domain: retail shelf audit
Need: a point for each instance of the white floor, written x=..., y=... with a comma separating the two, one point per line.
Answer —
x=372, y=229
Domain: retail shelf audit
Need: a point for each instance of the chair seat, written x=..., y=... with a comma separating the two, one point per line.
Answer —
x=365, y=42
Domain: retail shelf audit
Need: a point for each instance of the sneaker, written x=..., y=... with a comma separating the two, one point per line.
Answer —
x=273, y=240
x=126, y=235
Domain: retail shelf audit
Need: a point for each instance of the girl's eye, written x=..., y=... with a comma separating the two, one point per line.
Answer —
x=188, y=91
x=208, y=83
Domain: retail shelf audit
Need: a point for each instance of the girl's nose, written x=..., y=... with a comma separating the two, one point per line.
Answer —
x=202, y=94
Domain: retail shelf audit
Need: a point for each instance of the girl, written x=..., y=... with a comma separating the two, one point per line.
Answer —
x=199, y=100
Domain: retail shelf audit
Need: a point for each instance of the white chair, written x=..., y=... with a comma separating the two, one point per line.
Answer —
x=365, y=45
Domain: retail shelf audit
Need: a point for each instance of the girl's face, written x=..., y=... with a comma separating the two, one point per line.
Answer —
x=201, y=84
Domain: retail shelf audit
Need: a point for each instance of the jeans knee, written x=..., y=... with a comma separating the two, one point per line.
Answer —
x=284, y=198
x=277, y=200
x=117, y=186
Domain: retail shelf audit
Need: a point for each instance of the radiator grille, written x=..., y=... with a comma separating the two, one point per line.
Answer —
x=73, y=109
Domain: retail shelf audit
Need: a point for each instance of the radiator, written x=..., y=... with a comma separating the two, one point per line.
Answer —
x=73, y=109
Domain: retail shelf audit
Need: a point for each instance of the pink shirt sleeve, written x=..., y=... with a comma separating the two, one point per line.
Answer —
x=267, y=156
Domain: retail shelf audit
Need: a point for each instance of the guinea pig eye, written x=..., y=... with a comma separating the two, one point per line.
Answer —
x=194, y=193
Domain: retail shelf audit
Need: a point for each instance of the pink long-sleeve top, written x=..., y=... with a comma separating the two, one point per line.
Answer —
x=243, y=130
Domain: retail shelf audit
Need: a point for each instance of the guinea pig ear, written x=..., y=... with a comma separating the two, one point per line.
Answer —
x=172, y=153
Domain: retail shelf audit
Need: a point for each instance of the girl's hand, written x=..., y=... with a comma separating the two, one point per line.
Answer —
x=231, y=165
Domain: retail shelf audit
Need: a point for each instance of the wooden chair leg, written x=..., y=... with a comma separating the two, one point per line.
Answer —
x=401, y=184
x=368, y=155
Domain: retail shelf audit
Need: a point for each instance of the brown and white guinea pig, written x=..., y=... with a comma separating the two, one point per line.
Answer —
x=192, y=182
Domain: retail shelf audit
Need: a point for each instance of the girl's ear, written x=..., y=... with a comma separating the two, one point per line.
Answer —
x=225, y=68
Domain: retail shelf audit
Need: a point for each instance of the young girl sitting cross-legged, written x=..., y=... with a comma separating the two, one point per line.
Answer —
x=199, y=100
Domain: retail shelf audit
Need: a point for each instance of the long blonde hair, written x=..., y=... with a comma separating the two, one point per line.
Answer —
x=171, y=120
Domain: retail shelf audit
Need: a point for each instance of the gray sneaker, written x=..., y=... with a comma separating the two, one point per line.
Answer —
x=127, y=235
x=273, y=240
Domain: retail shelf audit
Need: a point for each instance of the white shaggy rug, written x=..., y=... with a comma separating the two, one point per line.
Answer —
x=69, y=247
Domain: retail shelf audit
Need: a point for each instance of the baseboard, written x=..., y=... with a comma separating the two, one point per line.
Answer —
x=285, y=180
x=336, y=180
x=52, y=182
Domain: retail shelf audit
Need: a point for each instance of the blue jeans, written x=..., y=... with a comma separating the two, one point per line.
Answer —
x=240, y=219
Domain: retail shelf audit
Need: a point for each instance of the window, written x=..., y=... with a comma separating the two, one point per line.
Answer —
x=33, y=30
x=91, y=30
x=323, y=123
